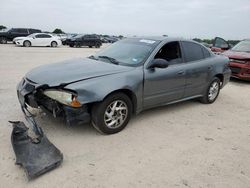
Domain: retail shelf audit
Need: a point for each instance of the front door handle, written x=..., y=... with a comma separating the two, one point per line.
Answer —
x=181, y=72
x=210, y=67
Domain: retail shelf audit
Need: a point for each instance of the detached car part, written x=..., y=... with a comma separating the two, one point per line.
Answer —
x=36, y=155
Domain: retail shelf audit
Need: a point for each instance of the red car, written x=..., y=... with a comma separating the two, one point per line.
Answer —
x=239, y=56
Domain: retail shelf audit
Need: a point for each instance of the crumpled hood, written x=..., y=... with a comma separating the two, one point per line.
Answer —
x=74, y=70
x=237, y=55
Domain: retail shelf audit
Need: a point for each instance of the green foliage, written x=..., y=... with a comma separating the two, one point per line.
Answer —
x=58, y=31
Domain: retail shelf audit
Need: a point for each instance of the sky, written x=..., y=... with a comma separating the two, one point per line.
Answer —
x=229, y=19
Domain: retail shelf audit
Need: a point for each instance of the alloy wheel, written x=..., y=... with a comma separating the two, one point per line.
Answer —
x=115, y=114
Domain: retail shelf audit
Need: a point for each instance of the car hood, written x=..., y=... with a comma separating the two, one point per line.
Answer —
x=72, y=71
x=19, y=38
x=237, y=55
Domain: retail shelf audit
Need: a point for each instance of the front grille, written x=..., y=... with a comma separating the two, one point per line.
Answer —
x=235, y=70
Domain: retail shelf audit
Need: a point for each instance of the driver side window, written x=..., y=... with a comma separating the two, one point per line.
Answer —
x=170, y=52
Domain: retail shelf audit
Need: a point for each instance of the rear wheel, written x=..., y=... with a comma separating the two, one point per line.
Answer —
x=3, y=40
x=97, y=45
x=112, y=114
x=53, y=44
x=212, y=92
x=26, y=43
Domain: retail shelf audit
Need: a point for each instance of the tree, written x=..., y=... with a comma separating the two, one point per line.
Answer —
x=58, y=31
x=2, y=27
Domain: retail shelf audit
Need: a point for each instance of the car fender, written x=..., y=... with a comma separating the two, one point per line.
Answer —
x=96, y=89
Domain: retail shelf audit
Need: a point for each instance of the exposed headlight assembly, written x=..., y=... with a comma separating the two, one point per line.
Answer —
x=64, y=97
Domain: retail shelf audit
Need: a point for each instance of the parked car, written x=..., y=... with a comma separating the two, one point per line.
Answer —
x=10, y=34
x=239, y=57
x=85, y=40
x=66, y=40
x=111, y=39
x=38, y=39
x=125, y=78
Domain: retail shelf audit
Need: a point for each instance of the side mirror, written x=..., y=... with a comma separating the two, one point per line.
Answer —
x=158, y=63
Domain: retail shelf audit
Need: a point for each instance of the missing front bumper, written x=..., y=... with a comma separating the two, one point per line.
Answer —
x=37, y=156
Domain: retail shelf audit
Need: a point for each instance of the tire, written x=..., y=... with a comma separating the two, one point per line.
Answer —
x=212, y=92
x=117, y=118
x=90, y=46
x=26, y=43
x=3, y=40
x=78, y=45
x=71, y=45
x=97, y=45
x=53, y=44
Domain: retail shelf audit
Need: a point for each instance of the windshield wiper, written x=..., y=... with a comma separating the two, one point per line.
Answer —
x=111, y=59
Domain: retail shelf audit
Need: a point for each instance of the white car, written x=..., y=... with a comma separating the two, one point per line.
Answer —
x=38, y=39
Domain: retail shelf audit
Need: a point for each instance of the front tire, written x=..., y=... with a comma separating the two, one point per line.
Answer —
x=112, y=114
x=212, y=91
x=26, y=43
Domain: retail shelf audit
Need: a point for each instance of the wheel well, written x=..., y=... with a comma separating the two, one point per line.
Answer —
x=53, y=41
x=130, y=94
x=221, y=77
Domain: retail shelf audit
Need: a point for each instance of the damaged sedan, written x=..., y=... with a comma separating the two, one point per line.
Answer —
x=107, y=88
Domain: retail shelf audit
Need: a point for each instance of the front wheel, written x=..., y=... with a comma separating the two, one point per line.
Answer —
x=26, y=43
x=212, y=92
x=112, y=114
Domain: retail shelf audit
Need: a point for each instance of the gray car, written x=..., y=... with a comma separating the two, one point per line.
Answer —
x=125, y=78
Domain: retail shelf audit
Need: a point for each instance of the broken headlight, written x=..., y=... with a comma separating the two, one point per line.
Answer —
x=64, y=97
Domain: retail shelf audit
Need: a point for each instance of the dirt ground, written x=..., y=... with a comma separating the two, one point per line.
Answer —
x=182, y=145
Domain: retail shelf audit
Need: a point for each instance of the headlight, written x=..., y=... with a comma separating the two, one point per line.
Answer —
x=63, y=97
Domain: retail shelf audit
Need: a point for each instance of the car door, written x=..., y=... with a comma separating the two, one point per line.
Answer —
x=38, y=40
x=220, y=45
x=47, y=39
x=165, y=85
x=199, y=65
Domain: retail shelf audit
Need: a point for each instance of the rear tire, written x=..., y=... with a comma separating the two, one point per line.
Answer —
x=112, y=114
x=97, y=45
x=212, y=92
x=3, y=40
x=53, y=44
x=26, y=43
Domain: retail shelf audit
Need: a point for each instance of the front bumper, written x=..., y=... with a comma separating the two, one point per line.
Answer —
x=30, y=94
x=240, y=71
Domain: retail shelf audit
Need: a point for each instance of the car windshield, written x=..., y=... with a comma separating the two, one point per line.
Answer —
x=131, y=52
x=243, y=46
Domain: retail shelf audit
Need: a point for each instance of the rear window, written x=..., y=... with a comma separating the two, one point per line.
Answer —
x=192, y=51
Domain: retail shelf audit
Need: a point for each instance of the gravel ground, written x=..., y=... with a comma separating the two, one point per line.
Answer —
x=182, y=145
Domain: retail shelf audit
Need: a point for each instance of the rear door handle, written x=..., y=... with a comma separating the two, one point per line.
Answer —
x=210, y=67
x=181, y=72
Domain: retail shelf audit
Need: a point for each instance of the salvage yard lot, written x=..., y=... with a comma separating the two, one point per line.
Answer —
x=182, y=145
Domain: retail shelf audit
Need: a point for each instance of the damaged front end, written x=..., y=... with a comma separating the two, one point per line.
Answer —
x=36, y=154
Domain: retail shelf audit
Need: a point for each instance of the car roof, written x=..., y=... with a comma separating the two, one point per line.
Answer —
x=163, y=39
